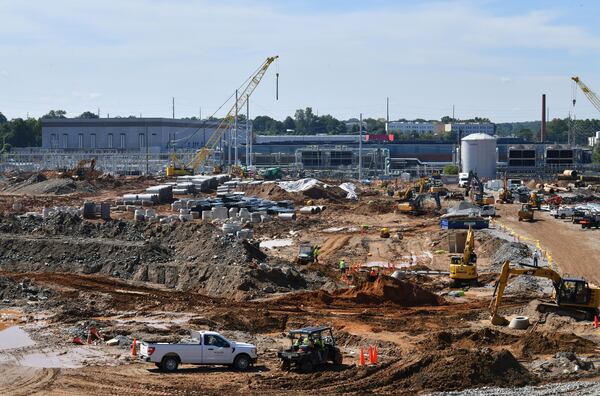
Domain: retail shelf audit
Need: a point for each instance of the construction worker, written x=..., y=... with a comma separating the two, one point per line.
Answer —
x=373, y=275
x=536, y=257
x=343, y=267
x=316, y=251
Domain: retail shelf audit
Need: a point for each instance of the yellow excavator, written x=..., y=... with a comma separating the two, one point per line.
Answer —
x=463, y=269
x=177, y=168
x=415, y=205
x=505, y=196
x=572, y=297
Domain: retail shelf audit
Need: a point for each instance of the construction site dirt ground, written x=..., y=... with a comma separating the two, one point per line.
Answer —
x=62, y=276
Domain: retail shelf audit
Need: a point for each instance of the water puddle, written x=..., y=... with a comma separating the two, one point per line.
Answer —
x=14, y=337
x=273, y=243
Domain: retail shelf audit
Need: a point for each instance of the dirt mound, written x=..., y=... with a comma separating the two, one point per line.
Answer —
x=333, y=193
x=386, y=289
x=450, y=370
x=377, y=206
x=271, y=191
x=550, y=343
x=40, y=184
x=461, y=369
x=185, y=256
x=469, y=339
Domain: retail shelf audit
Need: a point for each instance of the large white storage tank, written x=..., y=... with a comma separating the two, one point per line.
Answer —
x=478, y=154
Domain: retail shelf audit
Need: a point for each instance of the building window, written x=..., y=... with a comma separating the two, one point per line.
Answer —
x=93, y=140
x=122, y=140
x=65, y=142
x=53, y=141
x=80, y=141
x=141, y=140
x=110, y=141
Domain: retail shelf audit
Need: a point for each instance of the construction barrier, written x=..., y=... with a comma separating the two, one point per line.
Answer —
x=521, y=238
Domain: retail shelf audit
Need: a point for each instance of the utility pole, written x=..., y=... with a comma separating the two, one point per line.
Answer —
x=147, y=152
x=235, y=130
x=360, y=148
x=173, y=107
x=248, y=160
x=200, y=113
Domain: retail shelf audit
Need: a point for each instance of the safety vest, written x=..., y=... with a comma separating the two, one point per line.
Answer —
x=342, y=264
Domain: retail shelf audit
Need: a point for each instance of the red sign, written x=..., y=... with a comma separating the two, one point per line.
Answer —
x=380, y=138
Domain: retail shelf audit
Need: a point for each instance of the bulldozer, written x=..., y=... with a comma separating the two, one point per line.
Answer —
x=572, y=296
x=526, y=213
x=463, y=269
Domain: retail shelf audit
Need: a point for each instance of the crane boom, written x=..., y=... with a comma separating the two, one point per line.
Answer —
x=203, y=154
x=201, y=157
x=588, y=92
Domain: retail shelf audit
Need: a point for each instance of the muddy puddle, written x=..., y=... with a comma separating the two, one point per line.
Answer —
x=14, y=337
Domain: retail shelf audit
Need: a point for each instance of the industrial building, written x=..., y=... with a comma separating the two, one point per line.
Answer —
x=415, y=127
x=469, y=128
x=129, y=134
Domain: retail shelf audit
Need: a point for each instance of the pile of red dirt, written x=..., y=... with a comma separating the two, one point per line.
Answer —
x=270, y=191
x=550, y=343
x=391, y=290
x=377, y=206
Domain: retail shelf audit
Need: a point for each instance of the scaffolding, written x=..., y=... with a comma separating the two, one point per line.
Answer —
x=116, y=162
x=343, y=160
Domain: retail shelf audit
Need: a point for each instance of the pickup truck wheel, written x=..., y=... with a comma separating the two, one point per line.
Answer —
x=562, y=216
x=306, y=366
x=170, y=364
x=241, y=363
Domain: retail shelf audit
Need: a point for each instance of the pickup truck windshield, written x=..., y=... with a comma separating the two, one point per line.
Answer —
x=210, y=339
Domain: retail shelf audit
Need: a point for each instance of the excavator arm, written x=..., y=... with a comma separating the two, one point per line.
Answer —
x=503, y=281
x=469, y=246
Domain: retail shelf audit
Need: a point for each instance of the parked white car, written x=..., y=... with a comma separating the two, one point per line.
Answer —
x=203, y=347
x=487, y=210
x=562, y=212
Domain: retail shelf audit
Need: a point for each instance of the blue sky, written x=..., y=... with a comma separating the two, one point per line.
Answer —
x=488, y=58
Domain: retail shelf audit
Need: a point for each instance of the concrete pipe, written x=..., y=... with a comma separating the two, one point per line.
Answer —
x=287, y=216
x=519, y=323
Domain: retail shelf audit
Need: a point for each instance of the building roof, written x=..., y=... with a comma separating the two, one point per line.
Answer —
x=310, y=330
x=479, y=136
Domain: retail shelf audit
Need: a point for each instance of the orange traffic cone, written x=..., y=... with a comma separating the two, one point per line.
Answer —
x=375, y=354
x=361, y=359
x=133, y=347
x=596, y=324
x=371, y=355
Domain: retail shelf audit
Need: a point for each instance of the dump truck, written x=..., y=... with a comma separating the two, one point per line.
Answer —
x=572, y=296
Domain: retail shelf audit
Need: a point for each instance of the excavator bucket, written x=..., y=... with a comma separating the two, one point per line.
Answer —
x=498, y=320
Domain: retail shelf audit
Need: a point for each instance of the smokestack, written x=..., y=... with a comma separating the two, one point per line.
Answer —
x=543, y=126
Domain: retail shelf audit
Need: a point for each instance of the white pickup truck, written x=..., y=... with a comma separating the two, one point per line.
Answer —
x=562, y=212
x=203, y=347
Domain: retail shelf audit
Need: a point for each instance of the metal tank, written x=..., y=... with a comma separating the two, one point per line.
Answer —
x=478, y=154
